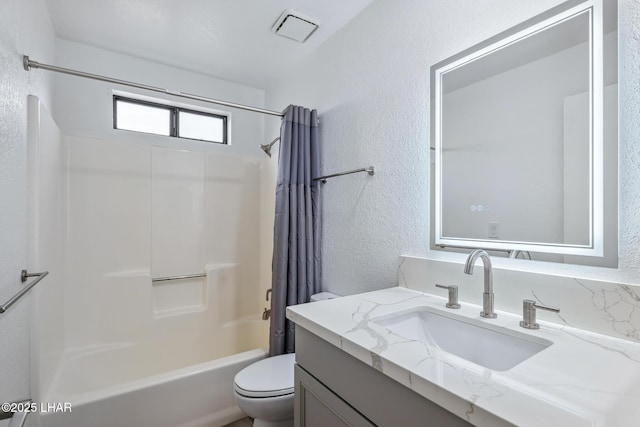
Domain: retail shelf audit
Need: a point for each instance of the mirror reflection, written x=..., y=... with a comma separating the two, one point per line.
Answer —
x=520, y=154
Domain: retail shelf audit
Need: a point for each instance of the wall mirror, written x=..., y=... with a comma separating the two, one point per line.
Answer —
x=524, y=133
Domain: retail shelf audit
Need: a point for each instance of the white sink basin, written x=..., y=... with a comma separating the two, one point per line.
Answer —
x=489, y=346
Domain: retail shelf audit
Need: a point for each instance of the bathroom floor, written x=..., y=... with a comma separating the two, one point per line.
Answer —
x=245, y=422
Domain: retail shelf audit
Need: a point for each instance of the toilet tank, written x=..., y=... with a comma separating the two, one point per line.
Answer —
x=323, y=296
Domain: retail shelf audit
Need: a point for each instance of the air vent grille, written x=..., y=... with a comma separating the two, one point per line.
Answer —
x=295, y=26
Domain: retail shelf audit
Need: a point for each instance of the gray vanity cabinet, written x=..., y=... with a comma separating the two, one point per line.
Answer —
x=317, y=406
x=334, y=389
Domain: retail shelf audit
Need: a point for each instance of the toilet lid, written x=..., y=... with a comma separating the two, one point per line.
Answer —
x=269, y=377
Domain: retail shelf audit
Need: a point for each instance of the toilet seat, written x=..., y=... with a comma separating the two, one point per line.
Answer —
x=269, y=377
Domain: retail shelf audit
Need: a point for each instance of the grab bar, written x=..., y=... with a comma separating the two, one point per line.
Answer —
x=19, y=416
x=187, y=276
x=323, y=179
x=23, y=278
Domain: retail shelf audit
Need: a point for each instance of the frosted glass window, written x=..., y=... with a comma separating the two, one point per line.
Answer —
x=168, y=120
x=143, y=118
x=201, y=126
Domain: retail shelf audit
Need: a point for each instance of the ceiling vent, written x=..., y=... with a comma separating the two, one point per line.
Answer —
x=295, y=26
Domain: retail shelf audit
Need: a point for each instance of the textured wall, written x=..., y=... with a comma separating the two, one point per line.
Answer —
x=629, y=136
x=370, y=83
x=24, y=28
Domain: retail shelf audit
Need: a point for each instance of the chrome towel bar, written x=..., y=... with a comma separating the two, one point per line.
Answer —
x=23, y=278
x=17, y=415
x=186, y=276
x=370, y=170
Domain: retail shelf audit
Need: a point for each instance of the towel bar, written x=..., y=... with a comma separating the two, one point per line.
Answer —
x=23, y=278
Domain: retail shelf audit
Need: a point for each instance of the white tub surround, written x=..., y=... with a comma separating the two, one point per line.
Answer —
x=154, y=352
x=582, y=379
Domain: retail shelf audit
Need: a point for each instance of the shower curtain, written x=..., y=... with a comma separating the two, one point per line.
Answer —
x=297, y=228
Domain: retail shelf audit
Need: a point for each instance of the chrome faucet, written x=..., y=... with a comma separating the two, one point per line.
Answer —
x=513, y=254
x=487, y=295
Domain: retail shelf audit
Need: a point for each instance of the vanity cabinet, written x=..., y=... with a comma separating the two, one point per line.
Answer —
x=317, y=406
x=334, y=389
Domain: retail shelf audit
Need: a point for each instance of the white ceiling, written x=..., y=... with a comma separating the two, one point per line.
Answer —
x=231, y=39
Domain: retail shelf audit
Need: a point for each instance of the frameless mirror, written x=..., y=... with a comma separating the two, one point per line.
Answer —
x=524, y=128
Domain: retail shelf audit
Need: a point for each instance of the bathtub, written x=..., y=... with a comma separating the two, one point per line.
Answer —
x=175, y=367
x=200, y=395
x=123, y=349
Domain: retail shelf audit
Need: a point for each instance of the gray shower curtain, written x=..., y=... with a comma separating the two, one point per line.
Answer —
x=297, y=228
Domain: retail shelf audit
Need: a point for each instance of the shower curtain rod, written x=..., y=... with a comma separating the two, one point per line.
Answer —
x=28, y=64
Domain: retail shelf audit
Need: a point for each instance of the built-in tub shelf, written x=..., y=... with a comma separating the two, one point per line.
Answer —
x=179, y=294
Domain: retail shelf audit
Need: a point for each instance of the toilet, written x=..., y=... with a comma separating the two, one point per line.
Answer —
x=264, y=390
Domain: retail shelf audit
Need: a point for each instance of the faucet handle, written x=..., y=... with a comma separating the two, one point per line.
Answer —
x=453, y=295
x=529, y=313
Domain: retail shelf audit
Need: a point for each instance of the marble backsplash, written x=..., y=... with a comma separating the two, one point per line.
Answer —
x=599, y=306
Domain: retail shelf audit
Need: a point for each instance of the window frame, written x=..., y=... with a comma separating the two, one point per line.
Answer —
x=174, y=118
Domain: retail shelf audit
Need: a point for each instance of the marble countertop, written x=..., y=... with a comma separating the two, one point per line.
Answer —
x=583, y=379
